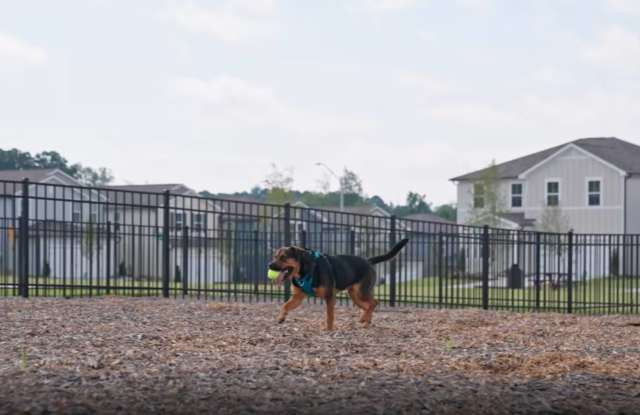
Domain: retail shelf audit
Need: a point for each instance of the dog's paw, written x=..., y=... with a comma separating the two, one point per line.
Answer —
x=281, y=319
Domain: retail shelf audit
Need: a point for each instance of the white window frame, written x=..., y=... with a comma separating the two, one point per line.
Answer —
x=183, y=218
x=76, y=209
x=511, y=195
x=588, y=193
x=546, y=191
x=198, y=224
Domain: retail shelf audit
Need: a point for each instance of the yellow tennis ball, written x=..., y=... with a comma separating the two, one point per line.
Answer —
x=272, y=275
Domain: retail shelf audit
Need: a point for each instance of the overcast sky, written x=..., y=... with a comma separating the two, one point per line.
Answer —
x=407, y=93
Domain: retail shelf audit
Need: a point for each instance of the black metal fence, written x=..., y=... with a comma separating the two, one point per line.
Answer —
x=58, y=240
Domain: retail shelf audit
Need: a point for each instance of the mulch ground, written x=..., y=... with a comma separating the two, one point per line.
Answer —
x=125, y=355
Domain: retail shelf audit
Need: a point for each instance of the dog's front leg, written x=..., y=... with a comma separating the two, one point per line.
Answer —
x=331, y=307
x=293, y=303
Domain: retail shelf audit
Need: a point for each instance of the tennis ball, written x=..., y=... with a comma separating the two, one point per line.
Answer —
x=272, y=275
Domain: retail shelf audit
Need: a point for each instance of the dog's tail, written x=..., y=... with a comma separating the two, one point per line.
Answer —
x=394, y=251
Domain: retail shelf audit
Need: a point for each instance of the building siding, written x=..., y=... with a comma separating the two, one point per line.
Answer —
x=571, y=168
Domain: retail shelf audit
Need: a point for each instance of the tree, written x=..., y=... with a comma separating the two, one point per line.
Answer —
x=553, y=220
x=415, y=203
x=488, y=202
x=278, y=183
x=447, y=211
x=279, y=179
x=15, y=159
x=351, y=183
x=90, y=177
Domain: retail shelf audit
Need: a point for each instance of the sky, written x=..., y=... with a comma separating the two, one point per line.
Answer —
x=406, y=93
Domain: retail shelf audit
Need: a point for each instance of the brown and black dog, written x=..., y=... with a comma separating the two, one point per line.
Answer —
x=323, y=276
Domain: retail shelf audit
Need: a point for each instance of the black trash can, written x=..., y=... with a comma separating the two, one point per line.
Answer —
x=515, y=280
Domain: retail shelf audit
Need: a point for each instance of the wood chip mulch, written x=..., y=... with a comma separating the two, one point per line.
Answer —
x=125, y=355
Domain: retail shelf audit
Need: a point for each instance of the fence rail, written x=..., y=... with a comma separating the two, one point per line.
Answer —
x=58, y=240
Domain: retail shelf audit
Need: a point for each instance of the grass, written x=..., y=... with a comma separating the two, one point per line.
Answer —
x=600, y=295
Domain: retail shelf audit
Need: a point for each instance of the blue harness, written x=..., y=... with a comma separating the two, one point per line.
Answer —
x=306, y=283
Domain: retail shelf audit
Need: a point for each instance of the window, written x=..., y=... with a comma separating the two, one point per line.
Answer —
x=94, y=213
x=478, y=196
x=76, y=214
x=594, y=192
x=178, y=219
x=516, y=195
x=198, y=220
x=553, y=193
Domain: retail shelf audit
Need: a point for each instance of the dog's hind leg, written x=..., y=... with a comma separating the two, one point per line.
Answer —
x=293, y=303
x=331, y=307
x=365, y=301
x=353, y=293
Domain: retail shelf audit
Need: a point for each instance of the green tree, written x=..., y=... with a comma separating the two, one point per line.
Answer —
x=488, y=201
x=351, y=183
x=447, y=211
x=278, y=184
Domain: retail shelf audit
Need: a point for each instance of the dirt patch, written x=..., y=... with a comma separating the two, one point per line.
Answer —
x=113, y=355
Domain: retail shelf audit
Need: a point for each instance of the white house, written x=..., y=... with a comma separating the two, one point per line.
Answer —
x=59, y=215
x=593, y=182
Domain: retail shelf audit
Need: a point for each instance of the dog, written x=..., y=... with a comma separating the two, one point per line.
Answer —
x=322, y=276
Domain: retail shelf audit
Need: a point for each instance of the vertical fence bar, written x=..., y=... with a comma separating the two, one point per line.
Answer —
x=287, y=242
x=537, y=285
x=352, y=242
x=165, y=246
x=185, y=262
x=23, y=276
x=440, y=268
x=392, y=265
x=570, y=272
x=485, y=267
x=109, y=259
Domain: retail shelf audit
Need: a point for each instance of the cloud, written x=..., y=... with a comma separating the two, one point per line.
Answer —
x=14, y=50
x=615, y=47
x=234, y=103
x=231, y=21
x=473, y=115
x=625, y=6
x=427, y=84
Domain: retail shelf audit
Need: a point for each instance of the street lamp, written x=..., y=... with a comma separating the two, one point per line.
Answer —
x=339, y=182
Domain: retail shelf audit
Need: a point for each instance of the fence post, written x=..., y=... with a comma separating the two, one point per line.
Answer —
x=352, y=242
x=256, y=255
x=570, y=273
x=485, y=267
x=185, y=260
x=440, y=268
x=108, y=282
x=165, y=246
x=392, y=265
x=23, y=260
x=537, y=284
x=287, y=242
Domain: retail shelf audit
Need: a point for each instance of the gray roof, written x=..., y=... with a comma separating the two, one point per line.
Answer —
x=428, y=217
x=622, y=154
x=174, y=188
x=34, y=175
x=518, y=218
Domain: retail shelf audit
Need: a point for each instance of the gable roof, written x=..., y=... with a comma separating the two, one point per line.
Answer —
x=35, y=175
x=428, y=217
x=621, y=154
x=174, y=188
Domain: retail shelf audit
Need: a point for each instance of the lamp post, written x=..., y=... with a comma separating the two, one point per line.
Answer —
x=339, y=183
